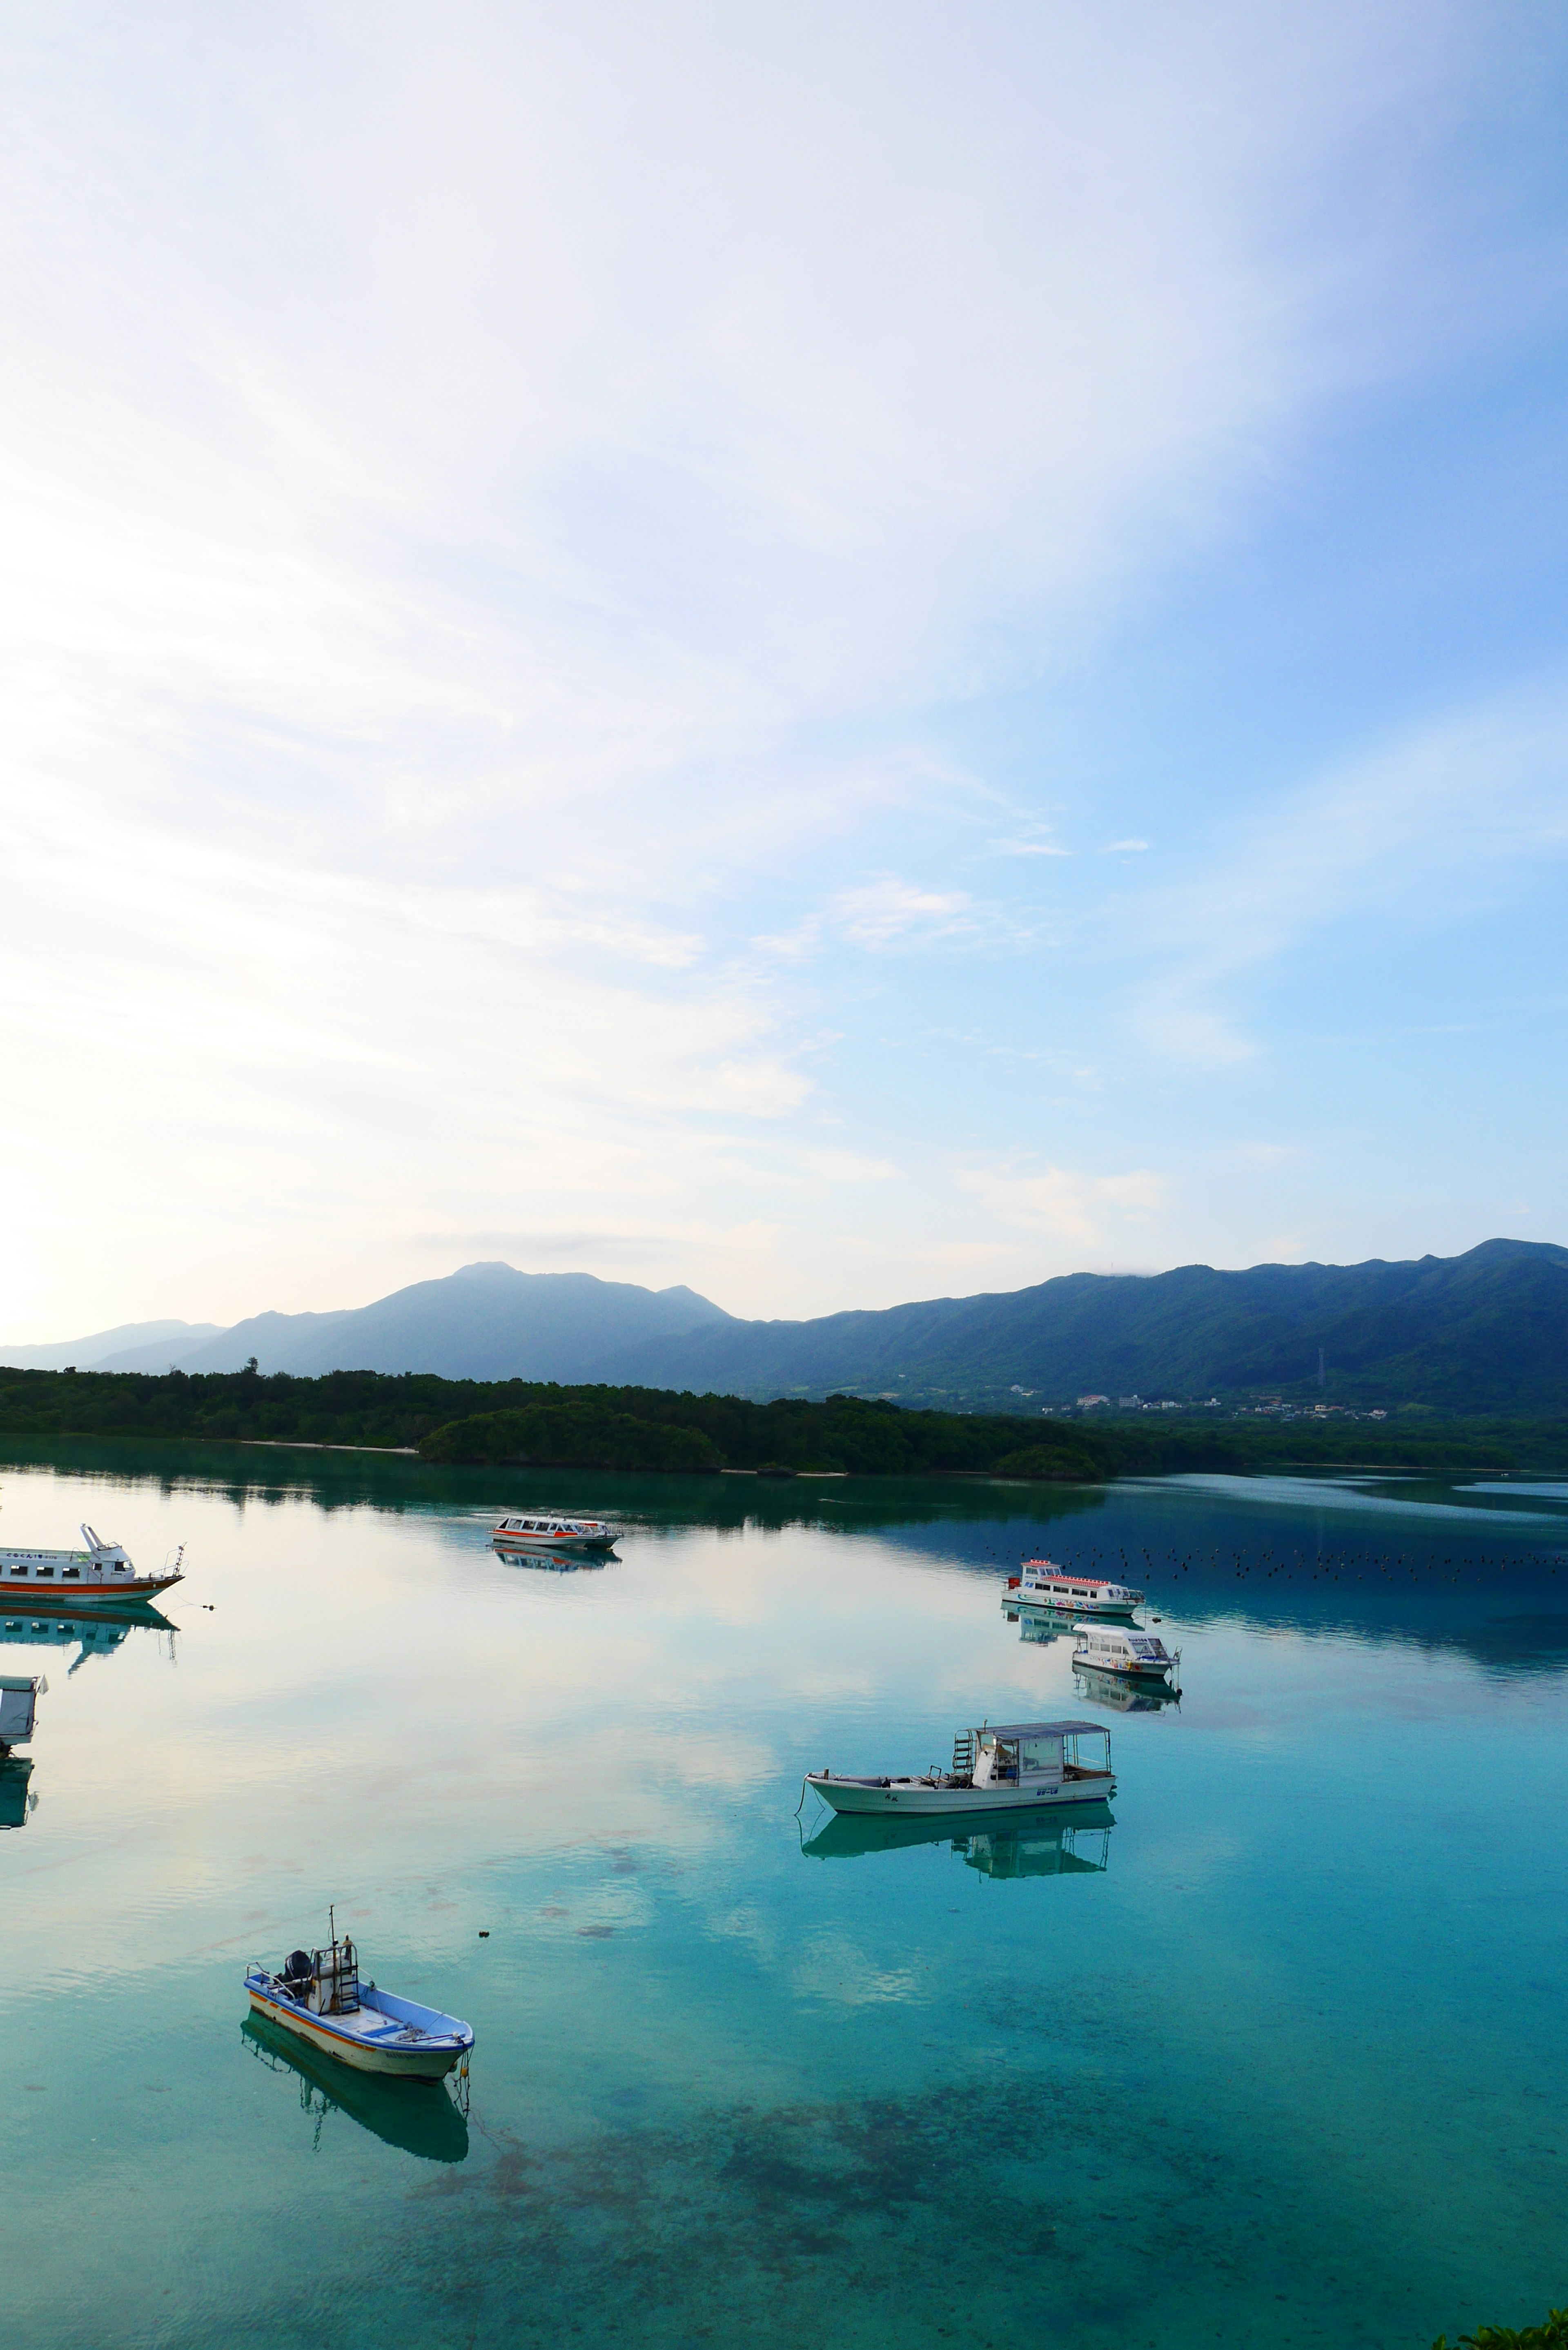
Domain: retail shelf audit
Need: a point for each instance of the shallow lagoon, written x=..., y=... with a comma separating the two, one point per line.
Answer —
x=1269, y=2054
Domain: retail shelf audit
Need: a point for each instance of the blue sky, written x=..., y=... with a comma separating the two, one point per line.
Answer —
x=839, y=655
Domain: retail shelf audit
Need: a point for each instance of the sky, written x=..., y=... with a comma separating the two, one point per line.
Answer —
x=839, y=654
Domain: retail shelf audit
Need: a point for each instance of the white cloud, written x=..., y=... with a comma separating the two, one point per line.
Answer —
x=1077, y=1207
x=456, y=480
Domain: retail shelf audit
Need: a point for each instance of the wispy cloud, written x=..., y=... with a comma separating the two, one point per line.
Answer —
x=464, y=583
x=1071, y=1204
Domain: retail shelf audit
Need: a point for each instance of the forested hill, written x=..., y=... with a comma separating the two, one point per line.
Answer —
x=515, y=1422
x=1485, y=1332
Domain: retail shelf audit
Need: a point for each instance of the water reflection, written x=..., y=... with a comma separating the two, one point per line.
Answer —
x=1122, y=1694
x=556, y=1562
x=1042, y=1846
x=1037, y=1625
x=16, y=1805
x=418, y=2116
x=97, y=1633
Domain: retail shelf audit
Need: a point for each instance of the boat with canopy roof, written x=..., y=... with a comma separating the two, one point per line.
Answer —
x=999, y=1767
x=545, y=1531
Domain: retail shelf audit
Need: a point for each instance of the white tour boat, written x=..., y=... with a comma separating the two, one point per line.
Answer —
x=545, y=1532
x=1135, y=1654
x=19, y=1695
x=1012, y=1766
x=1039, y=1584
x=77, y=1578
x=318, y=1996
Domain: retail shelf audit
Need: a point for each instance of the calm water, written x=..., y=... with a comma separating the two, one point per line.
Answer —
x=1274, y=2054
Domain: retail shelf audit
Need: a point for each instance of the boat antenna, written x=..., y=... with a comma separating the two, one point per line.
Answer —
x=332, y=1922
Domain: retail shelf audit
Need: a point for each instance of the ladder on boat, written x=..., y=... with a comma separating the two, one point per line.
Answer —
x=963, y=1755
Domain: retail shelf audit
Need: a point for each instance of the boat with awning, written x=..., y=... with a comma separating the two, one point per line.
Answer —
x=998, y=1767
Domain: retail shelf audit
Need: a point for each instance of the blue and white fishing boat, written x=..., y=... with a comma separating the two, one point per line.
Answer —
x=318, y=1996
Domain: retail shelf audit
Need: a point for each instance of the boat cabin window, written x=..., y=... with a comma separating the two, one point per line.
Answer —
x=47, y=1570
x=70, y=1571
x=1040, y=1755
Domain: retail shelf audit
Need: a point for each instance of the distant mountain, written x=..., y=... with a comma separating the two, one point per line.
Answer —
x=1483, y=1332
x=1487, y=1331
x=132, y=1346
x=484, y=1322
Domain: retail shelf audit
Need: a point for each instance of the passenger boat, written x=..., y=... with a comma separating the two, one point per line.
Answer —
x=19, y=1695
x=1135, y=1655
x=542, y=1532
x=80, y=1579
x=1039, y=1584
x=1014, y=1766
x=318, y=1996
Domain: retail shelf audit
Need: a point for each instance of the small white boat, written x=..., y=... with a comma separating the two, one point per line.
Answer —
x=1014, y=1766
x=19, y=1695
x=79, y=1578
x=318, y=1996
x=1039, y=1584
x=1135, y=1655
x=544, y=1533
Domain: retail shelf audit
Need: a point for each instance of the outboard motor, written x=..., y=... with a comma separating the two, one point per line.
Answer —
x=299, y=1973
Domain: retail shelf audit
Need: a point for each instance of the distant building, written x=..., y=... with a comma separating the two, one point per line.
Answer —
x=1129, y=1403
x=1087, y=1403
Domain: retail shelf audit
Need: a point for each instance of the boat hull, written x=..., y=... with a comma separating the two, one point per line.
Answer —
x=32, y=1598
x=430, y=2059
x=912, y=1799
x=1074, y=1610
x=574, y=1546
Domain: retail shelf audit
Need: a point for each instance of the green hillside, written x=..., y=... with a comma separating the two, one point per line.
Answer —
x=518, y=1422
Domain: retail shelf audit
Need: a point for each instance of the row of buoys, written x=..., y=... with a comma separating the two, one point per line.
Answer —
x=1271, y=1564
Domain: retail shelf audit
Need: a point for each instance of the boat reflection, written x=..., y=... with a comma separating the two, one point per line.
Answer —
x=1039, y=1847
x=1122, y=1695
x=99, y=1630
x=1037, y=1625
x=558, y=1562
x=418, y=2116
x=16, y=1805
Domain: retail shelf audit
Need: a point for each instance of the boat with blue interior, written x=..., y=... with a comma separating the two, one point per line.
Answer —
x=318, y=1996
x=1005, y=1767
x=80, y=1579
x=1041, y=1584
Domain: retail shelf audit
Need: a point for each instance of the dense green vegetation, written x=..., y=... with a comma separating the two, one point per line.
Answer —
x=1552, y=2334
x=518, y=1422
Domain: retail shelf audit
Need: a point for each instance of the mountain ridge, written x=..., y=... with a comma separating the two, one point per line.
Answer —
x=1484, y=1331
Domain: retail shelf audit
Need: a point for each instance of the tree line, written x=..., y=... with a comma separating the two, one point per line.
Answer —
x=540, y=1422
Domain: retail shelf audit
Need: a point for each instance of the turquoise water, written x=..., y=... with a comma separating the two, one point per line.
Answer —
x=1271, y=2053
